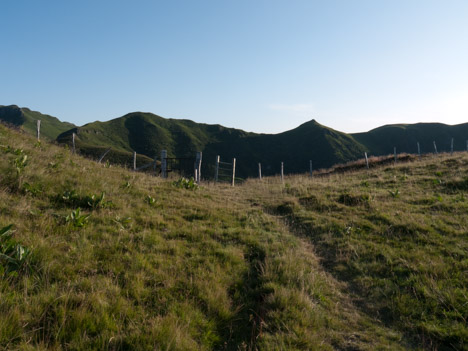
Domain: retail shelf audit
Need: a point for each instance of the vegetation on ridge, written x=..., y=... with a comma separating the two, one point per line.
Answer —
x=148, y=134
x=23, y=117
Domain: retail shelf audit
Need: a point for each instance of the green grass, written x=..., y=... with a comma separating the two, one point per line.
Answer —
x=51, y=127
x=125, y=261
x=399, y=237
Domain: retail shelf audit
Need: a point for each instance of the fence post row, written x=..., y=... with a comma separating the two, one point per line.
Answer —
x=38, y=129
x=367, y=160
x=198, y=161
x=233, y=171
x=164, y=163
x=217, y=169
x=259, y=171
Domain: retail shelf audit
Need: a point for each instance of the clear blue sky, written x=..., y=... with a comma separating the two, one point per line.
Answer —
x=259, y=65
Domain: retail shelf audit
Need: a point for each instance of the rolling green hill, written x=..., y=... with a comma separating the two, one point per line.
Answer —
x=98, y=258
x=404, y=137
x=148, y=134
x=23, y=117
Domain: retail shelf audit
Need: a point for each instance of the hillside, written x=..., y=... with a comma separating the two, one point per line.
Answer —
x=24, y=118
x=404, y=137
x=100, y=258
x=148, y=134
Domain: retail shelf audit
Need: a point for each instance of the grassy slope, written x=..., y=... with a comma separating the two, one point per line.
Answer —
x=236, y=268
x=160, y=266
x=51, y=127
x=404, y=137
x=398, y=236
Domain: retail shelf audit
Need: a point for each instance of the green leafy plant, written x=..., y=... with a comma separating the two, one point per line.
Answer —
x=76, y=219
x=395, y=193
x=185, y=183
x=19, y=164
x=72, y=199
x=14, y=257
x=126, y=185
x=32, y=189
x=123, y=223
x=150, y=200
x=95, y=201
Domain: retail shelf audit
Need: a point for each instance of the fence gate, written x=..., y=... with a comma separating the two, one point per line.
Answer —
x=182, y=166
x=225, y=171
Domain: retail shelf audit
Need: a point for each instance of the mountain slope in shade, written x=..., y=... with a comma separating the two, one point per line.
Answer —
x=404, y=137
x=148, y=134
x=23, y=117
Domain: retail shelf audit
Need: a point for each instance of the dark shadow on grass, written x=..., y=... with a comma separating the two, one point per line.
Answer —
x=243, y=330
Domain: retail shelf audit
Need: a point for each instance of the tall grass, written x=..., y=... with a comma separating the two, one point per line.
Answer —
x=329, y=263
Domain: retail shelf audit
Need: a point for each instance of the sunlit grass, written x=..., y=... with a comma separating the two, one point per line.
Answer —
x=343, y=261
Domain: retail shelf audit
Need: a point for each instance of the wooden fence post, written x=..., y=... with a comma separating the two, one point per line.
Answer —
x=435, y=147
x=259, y=171
x=38, y=129
x=73, y=143
x=134, y=160
x=198, y=161
x=367, y=160
x=451, y=147
x=282, y=172
x=164, y=163
x=394, y=153
x=217, y=169
x=310, y=168
x=419, y=150
x=233, y=171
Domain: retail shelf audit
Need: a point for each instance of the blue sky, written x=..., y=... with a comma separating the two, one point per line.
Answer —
x=257, y=65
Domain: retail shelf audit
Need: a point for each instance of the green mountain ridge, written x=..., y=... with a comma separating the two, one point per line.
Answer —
x=51, y=126
x=406, y=136
x=148, y=134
